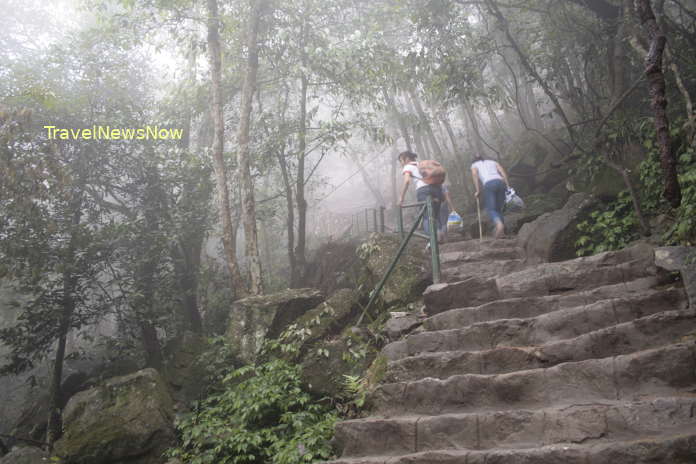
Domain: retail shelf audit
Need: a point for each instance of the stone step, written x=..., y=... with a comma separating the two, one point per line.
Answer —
x=642, y=334
x=660, y=371
x=576, y=423
x=557, y=325
x=469, y=246
x=534, y=306
x=456, y=257
x=461, y=271
x=580, y=273
x=667, y=448
x=546, y=279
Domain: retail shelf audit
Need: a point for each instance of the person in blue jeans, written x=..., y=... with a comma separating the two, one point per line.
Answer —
x=490, y=177
x=410, y=172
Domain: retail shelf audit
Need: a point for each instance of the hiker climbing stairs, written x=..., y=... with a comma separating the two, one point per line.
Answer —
x=590, y=360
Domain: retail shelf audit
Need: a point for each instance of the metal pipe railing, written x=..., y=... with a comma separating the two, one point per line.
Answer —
x=426, y=208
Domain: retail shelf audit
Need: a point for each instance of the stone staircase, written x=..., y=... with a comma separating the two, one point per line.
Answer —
x=585, y=361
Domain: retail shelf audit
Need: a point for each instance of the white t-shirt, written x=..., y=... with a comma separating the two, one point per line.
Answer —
x=487, y=170
x=415, y=173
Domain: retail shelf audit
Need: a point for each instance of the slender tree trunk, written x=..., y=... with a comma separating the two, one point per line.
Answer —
x=300, y=259
x=228, y=234
x=150, y=249
x=366, y=178
x=243, y=156
x=653, y=70
x=437, y=152
x=186, y=252
x=473, y=122
x=291, y=217
x=54, y=426
x=396, y=114
x=524, y=61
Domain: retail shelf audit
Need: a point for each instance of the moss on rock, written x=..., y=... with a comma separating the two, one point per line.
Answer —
x=126, y=418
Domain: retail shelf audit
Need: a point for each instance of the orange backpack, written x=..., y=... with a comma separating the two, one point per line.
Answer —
x=432, y=171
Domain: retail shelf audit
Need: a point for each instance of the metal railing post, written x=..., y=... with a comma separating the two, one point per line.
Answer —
x=367, y=221
x=390, y=269
x=382, y=228
x=374, y=220
x=434, y=246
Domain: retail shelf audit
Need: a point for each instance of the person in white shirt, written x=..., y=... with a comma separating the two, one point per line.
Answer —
x=490, y=177
x=410, y=171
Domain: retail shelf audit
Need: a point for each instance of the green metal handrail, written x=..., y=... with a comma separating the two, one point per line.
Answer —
x=426, y=208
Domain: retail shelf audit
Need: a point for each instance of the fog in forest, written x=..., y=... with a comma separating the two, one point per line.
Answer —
x=163, y=159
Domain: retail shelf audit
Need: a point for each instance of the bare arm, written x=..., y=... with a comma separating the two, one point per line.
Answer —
x=503, y=173
x=474, y=175
x=404, y=189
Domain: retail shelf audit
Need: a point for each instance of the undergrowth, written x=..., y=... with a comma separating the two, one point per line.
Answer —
x=614, y=225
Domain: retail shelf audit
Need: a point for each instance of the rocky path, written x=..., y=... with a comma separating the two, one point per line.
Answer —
x=585, y=361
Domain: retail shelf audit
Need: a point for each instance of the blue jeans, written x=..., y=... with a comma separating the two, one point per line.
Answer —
x=494, y=199
x=435, y=192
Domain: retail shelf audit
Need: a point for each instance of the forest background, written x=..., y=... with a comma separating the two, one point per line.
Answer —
x=293, y=113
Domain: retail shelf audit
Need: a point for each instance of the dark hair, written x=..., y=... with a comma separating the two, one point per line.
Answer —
x=478, y=157
x=407, y=155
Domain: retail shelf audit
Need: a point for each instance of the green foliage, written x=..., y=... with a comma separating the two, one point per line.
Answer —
x=614, y=225
x=609, y=228
x=684, y=229
x=262, y=415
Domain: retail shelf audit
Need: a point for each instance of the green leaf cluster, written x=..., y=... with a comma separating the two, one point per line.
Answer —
x=614, y=225
x=262, y=415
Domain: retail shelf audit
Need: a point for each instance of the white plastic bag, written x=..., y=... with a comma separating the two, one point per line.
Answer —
x=512, y=201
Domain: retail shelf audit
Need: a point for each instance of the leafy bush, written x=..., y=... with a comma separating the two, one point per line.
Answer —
x=609, y=228
x=262, y=415
x=615, y=225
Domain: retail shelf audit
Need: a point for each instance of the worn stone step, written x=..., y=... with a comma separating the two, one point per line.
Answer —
x=641, y=334
x=557, y=325
x=469, y=246
x=668, y=448
x=546, y=279
x=456, y=257
x=580, y=273
x=460, y=271
x=577, y=423
x=660, y=371
x=534, y=306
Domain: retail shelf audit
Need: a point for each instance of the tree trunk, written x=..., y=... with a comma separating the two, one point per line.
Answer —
x=366, y=178
x=243, y=156
x=300, y=259
x=396, y=114
x=653, y=70
x=524, y=61
x=291, y=216
x=54, y=425
x=425, y=124
x=473, y=122
x=228, y=234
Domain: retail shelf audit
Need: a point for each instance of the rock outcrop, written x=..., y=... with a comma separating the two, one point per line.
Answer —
x=126, y=419
x=551, y=237
x=255, y=318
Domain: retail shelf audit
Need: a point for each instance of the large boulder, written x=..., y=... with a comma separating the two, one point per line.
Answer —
x=256, y=318
x=125, y=419
x=551, y=237
x=330, y=317
x=411, y=274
